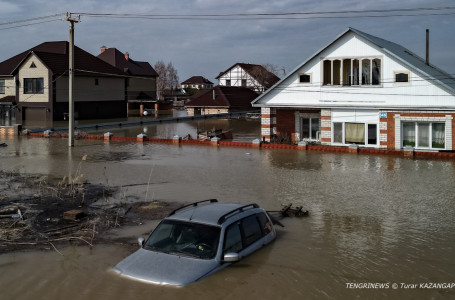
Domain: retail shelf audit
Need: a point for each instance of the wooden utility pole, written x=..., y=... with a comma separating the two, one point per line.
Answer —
x=72, y=20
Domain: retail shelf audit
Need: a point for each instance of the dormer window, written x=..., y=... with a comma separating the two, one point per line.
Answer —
x=351, y=71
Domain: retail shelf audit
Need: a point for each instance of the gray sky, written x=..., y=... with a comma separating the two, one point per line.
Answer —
x=207, y=47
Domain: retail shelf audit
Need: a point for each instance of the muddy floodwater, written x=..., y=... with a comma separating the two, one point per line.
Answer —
x=379, y=226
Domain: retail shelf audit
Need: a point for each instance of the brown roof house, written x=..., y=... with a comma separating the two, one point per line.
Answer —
x=36, y=82
x=197, y=82
x=221, y=99
x=255, y=77
x=141, y=82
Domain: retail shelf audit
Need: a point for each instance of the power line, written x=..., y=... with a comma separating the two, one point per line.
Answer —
x=25, y=25
x=267, y=14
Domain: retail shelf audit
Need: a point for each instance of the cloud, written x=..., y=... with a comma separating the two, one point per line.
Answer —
x=8, y=8
x=206, y=47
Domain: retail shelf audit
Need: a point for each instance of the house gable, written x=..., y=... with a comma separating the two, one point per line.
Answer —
x=422, y=90
x=39, y=72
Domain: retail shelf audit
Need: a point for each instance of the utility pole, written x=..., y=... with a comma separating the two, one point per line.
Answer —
x=72, y=20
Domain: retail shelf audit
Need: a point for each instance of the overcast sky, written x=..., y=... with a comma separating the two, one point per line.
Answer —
x=207, y=47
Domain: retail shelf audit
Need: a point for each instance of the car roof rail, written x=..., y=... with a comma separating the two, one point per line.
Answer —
x=192, y=204
x=238, y=210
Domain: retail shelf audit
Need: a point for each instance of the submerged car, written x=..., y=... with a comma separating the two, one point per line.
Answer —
x=197, y=240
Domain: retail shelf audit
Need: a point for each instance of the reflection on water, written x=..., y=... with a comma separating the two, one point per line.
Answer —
x=372, y=219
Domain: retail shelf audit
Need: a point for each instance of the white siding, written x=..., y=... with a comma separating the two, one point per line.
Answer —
x=419, y=93
x=236, y=74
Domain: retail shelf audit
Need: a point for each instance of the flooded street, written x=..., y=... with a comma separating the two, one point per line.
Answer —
x=373, y=220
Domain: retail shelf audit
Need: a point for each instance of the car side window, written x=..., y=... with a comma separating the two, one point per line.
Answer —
x=233, y=240
x=265, y=223
x=251, y=229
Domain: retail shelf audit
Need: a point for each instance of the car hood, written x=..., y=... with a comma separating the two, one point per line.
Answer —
x=165, y=269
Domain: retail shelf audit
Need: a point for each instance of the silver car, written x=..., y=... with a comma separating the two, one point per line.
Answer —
x=197, y=240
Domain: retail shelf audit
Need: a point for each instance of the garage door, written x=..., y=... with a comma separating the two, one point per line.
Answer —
x=35, y=113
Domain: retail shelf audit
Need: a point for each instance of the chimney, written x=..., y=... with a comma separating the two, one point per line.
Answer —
x=103, y=48
x=127, y=56
x=427, y=50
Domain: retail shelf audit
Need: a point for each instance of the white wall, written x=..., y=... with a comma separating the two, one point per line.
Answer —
x=420, y=92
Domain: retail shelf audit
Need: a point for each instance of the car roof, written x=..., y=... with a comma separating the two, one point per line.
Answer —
x=211, y=213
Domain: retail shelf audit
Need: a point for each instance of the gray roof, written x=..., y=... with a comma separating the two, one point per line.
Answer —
x=398, y=52
x=205, y=213
x=411, y=60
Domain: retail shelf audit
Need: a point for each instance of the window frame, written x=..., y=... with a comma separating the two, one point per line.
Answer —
x=310, y=121
x=34, y=86
x=349, y=71
x=401, y=72
x=2, y=86
x=310, y=81
x=366, y=135
x=417, y=144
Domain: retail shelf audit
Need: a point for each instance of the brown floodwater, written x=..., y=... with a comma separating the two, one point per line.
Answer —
x=373, y=219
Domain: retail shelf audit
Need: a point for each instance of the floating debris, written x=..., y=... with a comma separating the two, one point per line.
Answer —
x=289, y=211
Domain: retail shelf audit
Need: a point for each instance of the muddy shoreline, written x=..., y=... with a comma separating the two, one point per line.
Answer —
x=45, y=213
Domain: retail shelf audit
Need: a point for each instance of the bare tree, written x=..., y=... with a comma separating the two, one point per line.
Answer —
x=279, y=71
x=173, y=77
x=168, y=78
x=266, y=75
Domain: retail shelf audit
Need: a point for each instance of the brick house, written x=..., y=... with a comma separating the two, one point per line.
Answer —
x=363, y=90
x=36, y=84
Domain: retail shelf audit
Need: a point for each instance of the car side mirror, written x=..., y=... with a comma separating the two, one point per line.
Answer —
x=231, y=257
x=140, y=241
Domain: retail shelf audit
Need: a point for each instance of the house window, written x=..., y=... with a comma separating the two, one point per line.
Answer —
x=402, y=77
x=305, y=78
x=33, y=85
x=243, y=82
x=338, y=133
x=327, y=79
x=33, y=65
x=2, y=86
x=336, y=72
x=97, y=82
x=423, y=135
x=355, y=133
x=228, y=82
x=309, y=128
x=349, y=72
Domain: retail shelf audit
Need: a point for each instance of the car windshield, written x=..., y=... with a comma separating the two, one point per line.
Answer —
x=184, y=238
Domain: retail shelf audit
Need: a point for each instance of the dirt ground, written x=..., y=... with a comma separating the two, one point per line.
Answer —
x=40, y=212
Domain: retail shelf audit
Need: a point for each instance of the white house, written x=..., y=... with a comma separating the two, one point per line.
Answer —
x=364, y=90
x=255, y=77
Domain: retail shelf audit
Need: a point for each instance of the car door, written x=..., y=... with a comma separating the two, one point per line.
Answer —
x=247, y=235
